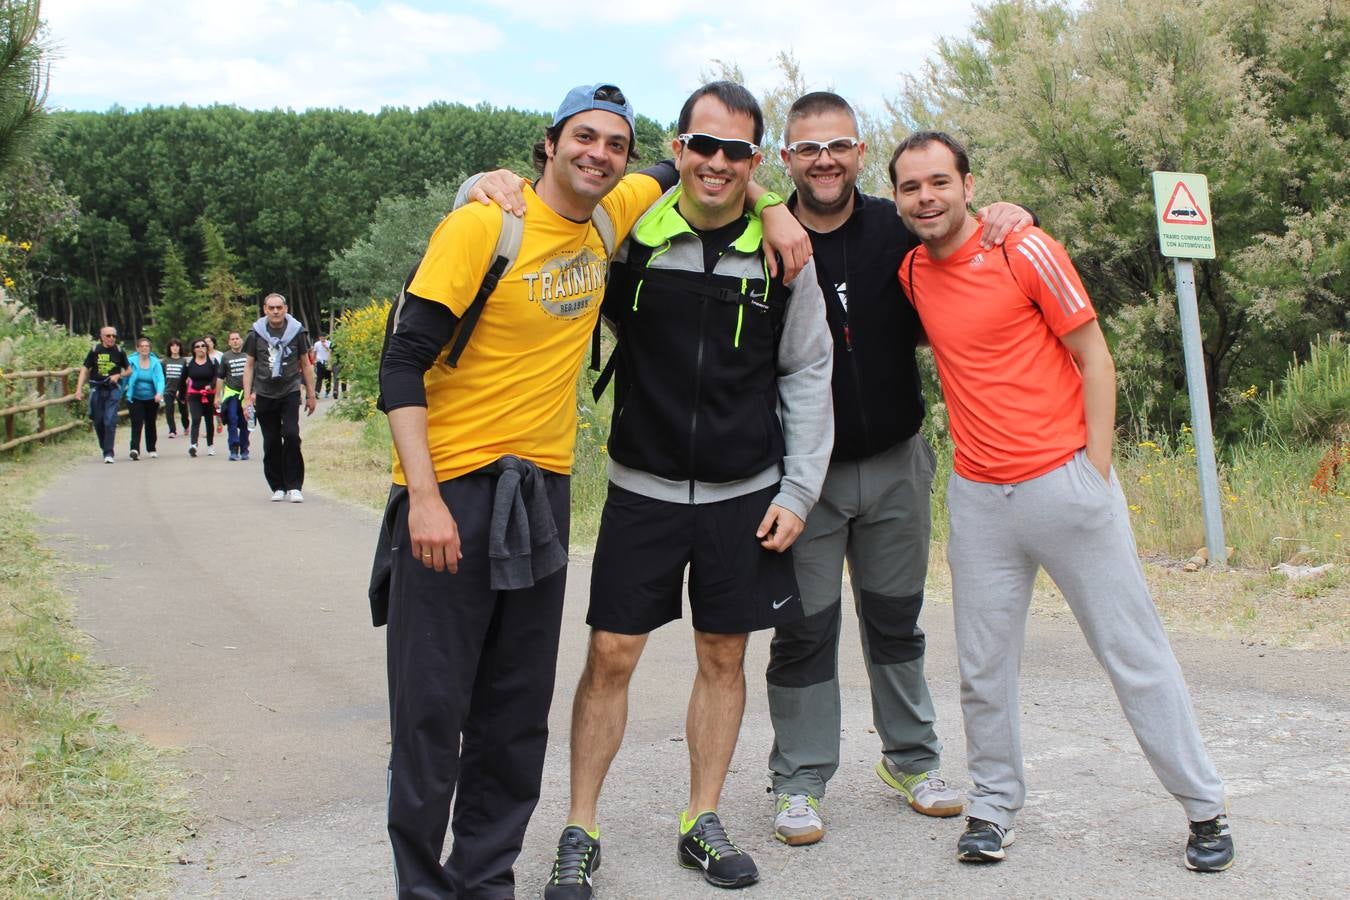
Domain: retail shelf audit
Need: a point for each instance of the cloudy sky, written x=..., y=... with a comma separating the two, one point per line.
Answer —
x=365, y=54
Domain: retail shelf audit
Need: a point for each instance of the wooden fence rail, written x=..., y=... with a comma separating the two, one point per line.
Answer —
x=40, y=405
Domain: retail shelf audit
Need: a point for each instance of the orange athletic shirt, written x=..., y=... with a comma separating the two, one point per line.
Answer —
x=1014, y=395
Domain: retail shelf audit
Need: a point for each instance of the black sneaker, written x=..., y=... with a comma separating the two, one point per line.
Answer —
x=983, y=841
x=1210, y=846
x=706, y=846
x=577, y=858
x=135, y=455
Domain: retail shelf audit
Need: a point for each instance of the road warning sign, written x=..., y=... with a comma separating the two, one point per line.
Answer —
x=1185, y=228
x=1182, y=208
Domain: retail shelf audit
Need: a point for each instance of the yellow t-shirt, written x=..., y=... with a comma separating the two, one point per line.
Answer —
x=514, y=390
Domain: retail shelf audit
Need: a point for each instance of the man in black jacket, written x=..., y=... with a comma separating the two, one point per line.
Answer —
x=874, y=508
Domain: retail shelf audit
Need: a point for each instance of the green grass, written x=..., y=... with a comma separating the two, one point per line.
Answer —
x=86, y=810
x=1271, y=511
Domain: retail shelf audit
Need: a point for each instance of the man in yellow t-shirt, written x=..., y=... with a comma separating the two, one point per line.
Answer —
x=475, y=595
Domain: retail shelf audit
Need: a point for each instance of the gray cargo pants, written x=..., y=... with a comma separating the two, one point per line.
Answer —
x=876, y=513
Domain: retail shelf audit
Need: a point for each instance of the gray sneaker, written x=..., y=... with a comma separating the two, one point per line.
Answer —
x=925, y=792
x=798, y=820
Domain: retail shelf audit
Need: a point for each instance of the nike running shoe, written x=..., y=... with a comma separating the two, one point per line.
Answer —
x=983, y=841
x=705, y=845
x=574, y=863
x=798, y=820
x=925, y=792
x=1210, y=846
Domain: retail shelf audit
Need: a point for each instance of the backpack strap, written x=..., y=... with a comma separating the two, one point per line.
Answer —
x=638, y=257
x=504, y=254
x=604, y=225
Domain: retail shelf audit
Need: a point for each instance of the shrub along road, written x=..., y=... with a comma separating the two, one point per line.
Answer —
x=246, y=623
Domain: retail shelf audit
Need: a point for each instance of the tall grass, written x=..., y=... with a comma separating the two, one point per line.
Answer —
x=86, y=810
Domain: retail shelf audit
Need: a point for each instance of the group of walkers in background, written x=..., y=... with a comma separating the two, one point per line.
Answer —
x=254, y=384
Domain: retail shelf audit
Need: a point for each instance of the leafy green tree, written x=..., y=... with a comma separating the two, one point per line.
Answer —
x=377, y=263
x=1068, y=108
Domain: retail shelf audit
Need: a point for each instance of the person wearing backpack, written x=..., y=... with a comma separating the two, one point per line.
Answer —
x=277, y=363
x=473, y=635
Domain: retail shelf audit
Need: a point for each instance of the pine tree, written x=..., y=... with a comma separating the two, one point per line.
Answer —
x=181, y=309
x=224, y=294
x=23, y=78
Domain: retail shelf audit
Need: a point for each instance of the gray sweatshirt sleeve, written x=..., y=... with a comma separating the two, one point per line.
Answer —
x=805, y=403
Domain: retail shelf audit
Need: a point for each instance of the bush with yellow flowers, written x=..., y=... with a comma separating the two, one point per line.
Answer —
x=357, y=340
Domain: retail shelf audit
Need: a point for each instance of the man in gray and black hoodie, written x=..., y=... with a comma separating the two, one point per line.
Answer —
x=719, y=443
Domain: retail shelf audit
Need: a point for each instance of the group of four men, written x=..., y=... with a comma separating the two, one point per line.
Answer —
x=766, y=429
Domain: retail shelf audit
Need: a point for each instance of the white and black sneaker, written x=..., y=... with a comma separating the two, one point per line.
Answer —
x=1210, y=846
x=705, y=845
x=134, y=454
x=192, y=450
x=577, y=858
x=983, y=842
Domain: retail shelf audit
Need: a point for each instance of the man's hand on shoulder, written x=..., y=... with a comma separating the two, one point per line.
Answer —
x=1000, y=220
x=503, y=187
x=779, y=529
x=784, y=236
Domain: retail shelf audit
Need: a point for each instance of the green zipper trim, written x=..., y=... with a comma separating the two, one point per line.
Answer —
x=636, y=294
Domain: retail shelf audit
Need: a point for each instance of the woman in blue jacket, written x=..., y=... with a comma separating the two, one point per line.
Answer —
x=144, y=390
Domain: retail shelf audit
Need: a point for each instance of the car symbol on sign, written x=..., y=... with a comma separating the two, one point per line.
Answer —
x=1188, y=213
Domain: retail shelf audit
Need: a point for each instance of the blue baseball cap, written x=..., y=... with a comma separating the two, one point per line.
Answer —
x=596, y=96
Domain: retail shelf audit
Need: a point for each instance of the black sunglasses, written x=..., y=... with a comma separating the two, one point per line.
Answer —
x=708, y=145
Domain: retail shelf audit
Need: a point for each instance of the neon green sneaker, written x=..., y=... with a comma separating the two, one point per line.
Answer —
x=798, y=821
x=925, y=792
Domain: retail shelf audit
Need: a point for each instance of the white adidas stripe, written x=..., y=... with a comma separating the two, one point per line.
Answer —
x=1059, y=283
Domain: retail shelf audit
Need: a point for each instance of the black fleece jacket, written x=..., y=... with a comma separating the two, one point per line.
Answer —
x=878, y=401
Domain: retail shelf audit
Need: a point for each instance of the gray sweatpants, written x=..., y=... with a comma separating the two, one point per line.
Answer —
x=876, y=513
x=1076, y=526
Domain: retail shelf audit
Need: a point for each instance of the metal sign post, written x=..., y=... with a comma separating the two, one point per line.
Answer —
x=1186, y=232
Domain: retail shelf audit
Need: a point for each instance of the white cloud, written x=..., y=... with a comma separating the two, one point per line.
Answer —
x=365, y=54
x=260, y=54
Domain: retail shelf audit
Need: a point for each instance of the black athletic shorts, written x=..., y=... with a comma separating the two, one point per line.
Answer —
x=735, y=585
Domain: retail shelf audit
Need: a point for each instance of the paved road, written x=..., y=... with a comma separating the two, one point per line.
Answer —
x=247, y=624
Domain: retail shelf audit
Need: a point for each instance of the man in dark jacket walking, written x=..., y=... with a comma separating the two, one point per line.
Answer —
x=278, y=362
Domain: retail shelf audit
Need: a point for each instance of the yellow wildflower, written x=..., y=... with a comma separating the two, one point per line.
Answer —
x=25, y=246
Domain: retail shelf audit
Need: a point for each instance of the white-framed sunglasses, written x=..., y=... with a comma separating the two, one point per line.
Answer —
x=812, y=149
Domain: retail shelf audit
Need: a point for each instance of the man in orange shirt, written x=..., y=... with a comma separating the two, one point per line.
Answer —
x=1031, y=394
